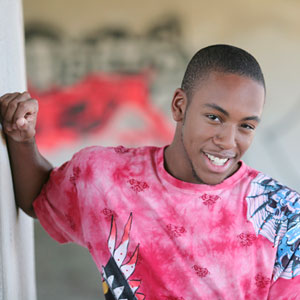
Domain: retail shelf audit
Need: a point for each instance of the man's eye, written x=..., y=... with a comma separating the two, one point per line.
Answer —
x=248, y=127
x=213, y=117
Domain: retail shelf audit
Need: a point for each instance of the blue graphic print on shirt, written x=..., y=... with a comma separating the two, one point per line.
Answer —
x=274, y=211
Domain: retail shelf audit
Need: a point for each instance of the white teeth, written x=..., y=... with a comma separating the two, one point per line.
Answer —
x=216, y=160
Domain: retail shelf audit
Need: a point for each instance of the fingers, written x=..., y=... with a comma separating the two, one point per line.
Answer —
x=21, y=122
x=12, y=104
x=4, y=101
x=4, y=104
x=18, y=112
x=26, y=112
x=15, y=106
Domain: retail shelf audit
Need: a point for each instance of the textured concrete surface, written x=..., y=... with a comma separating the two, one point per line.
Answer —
x=16, y=230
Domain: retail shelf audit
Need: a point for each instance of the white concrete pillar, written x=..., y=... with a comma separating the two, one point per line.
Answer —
x=17, y=275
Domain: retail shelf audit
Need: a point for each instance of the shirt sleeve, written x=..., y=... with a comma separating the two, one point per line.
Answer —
x=286, y=275
x=58, y=207
x=285, y=289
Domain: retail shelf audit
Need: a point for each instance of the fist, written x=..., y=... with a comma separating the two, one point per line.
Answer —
x=18, y=112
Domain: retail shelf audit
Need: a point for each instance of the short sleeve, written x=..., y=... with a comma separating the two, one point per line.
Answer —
x=285, y=289
x=286, y=273
x=57, y=207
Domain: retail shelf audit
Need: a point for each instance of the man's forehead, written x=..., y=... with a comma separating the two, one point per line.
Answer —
x=230, y=92
x=226, y=81
x=218, y=74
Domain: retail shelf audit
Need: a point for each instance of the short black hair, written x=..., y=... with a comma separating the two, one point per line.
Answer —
x=220, y=58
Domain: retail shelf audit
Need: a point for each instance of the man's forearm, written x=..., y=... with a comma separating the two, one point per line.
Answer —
x=30, y=172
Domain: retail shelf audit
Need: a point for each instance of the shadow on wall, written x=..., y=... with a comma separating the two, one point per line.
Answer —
x=65, y=272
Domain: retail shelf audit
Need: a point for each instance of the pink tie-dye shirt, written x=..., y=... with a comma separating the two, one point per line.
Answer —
x=155, y=237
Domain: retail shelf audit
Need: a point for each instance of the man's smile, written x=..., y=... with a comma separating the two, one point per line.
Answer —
x=218, y=163
x=216, y=160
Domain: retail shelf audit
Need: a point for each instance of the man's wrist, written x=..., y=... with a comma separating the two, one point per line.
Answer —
x=11, y=141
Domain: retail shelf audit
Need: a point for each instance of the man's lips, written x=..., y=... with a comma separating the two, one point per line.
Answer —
x=219, y=159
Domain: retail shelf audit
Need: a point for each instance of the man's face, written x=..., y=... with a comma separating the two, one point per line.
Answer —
x=218, y=126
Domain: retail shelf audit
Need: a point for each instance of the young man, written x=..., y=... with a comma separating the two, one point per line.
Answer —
x=187, y=221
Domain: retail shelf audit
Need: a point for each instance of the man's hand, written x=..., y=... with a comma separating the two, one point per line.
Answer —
x=30, y=170
x=18, y=112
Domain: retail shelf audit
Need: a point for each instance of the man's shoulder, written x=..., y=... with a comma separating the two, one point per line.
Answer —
x=266, y=189
x=115, y=154
x=263, y=184
x=274, y=210
x=272, y=207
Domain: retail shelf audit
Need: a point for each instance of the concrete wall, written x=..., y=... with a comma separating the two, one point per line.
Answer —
x=267, y=29
x=17, y=274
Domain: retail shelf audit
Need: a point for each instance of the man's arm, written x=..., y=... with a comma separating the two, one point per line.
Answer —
x=30, y=169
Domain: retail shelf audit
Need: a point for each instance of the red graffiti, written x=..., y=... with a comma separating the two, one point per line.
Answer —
x=96, y=107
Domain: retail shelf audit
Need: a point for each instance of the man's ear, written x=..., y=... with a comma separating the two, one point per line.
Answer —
x=179, y=105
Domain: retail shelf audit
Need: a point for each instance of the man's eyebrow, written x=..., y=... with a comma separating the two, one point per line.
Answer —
x=226, y=113
x=217, y=107
x=252, y=118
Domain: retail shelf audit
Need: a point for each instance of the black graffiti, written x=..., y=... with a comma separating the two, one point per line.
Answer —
x=53, y=58
x=82, y=118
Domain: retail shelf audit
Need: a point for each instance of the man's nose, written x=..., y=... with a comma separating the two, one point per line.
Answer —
x=225, y=138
